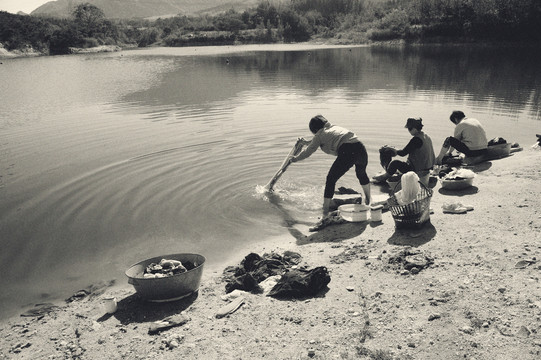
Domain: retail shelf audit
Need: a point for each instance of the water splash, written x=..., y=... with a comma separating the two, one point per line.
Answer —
x=292, y=195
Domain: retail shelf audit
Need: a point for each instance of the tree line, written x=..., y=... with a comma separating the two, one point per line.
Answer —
x=337, y=21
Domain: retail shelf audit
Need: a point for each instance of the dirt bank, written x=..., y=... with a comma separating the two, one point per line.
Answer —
x=473, y=292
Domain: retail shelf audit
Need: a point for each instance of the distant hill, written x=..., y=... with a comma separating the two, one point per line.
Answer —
x=125, y=9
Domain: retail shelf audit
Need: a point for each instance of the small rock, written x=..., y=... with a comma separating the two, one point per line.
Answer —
x=523, y=332
x=467, y=330
x=350, y=288
x=311, y=352
x=433, y=317
x=411, y=345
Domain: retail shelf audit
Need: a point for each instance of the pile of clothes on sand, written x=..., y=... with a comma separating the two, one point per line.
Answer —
x=276, y=275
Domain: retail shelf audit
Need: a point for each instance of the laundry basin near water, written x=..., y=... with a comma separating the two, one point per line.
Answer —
x=167, y=288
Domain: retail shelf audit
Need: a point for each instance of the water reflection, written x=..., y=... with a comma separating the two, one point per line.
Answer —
x=508, y=77
x=109, y=157
x=498, y=74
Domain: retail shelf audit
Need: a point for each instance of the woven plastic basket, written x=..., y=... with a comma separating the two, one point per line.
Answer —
x=412, y=215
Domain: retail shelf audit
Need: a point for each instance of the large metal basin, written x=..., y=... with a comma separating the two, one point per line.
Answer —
x=168, y=288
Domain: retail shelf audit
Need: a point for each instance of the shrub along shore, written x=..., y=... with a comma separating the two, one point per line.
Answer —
x=329, y=21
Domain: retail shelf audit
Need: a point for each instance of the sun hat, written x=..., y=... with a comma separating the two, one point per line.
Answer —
x=414, y=123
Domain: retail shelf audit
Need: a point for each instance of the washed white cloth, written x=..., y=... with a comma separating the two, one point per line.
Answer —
x=410, y=188
x=459, y=173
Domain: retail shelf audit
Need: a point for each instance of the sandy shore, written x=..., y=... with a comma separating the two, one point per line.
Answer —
x=185, y=50
x=479, y=296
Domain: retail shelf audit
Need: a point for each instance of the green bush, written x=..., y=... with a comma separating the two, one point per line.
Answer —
x=148, y=37
x=394, y=25
x=18, y=32
x=90, y=42
x=293, y=21
x=296, y=28
x=62, y=39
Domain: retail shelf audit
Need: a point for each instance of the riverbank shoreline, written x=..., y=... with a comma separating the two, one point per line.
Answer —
x=31, y=52
x=203, y=50
x=475, y=293
x=309, y=45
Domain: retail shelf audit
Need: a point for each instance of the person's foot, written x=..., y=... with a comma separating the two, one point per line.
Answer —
x=381, y=178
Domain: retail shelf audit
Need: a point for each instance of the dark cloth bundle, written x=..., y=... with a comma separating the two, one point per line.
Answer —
x=301, y=283
x=293, y=283
x=254, y=269
x=497, y=141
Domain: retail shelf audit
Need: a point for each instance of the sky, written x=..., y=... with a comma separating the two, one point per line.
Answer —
x=14, y=6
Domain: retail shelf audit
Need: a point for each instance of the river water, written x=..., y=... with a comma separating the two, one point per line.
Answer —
x=109, y=159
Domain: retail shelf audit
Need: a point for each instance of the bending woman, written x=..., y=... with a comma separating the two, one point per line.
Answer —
x=347, y=148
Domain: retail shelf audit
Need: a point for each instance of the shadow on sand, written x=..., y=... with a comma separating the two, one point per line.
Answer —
x=133, y=309
x=477, y=168
x=413, y=237
x=333, y=233
x=468, y=191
